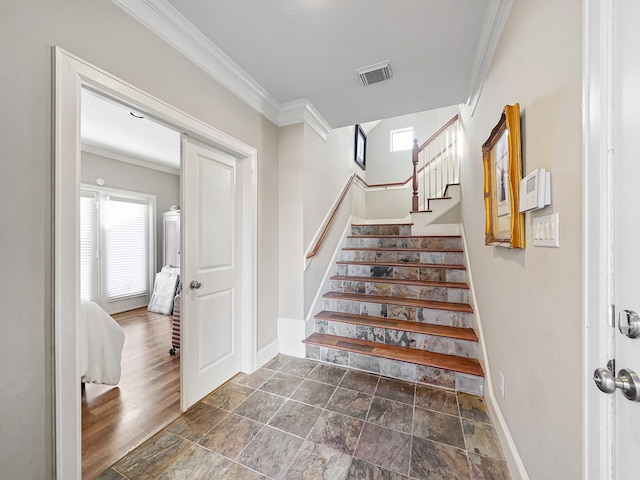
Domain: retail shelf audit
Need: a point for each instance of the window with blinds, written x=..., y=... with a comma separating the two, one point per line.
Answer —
x=126, y=235
x=115, y=245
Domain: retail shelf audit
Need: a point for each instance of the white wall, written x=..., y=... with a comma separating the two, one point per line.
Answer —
x=392, y=203
x=384, y=166
x=313, y=174
x=291, y=172
x=127, y=176
x=104, y=35
x=328, y=167
x=530, y=300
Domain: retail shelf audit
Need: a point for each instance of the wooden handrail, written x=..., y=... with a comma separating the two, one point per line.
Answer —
x=422, y=147
x=414, y=159
x=355, y=176
x=444, y=127
x=325, y=230
x=401, y=184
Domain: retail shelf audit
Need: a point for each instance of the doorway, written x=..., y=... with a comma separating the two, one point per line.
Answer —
x=71, y=75
x=130, y=174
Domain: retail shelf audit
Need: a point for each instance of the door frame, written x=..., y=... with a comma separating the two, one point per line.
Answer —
x=70, y=75
x=597, y=235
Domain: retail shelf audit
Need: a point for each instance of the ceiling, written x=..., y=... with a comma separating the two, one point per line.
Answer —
x=296, y=60
x=310, y=49
x=109, y=126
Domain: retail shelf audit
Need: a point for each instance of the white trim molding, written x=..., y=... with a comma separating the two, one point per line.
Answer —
x=494, y=21
x=164, y=20
x=267, y=353
x=302, y=111
x=72, y=74
x=516, y=466
x=597, y=229
x=128, y=158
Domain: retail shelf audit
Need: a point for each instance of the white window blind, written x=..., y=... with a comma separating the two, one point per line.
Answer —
x=126, y=230
x=88, y=246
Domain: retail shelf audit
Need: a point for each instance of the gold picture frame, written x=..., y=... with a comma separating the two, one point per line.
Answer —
x=502, y=159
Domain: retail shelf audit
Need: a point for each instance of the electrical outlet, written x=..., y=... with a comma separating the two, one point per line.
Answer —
x=501, y=384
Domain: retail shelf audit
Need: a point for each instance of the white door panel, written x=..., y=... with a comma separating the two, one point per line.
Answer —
x=216, y=229
x=216, y=338
x=211, y=350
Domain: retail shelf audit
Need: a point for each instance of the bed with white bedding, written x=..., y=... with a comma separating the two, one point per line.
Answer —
x=100, y=341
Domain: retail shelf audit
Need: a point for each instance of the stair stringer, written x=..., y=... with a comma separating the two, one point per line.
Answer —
x=436, y=208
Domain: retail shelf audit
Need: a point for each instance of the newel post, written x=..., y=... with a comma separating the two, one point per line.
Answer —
x=414, y=159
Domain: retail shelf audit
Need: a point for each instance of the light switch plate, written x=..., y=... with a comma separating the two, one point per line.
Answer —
x=546, y=231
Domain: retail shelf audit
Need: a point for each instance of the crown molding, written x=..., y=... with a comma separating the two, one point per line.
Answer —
x=165, y=21
x=127, y=158
x=493, y=24
x=300, y=111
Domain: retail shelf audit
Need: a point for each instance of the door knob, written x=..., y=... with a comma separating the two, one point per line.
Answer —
x=627, y=381
x=195, y=284
x=629, y=323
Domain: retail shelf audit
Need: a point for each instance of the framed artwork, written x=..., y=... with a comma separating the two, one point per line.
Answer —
x=360, y=150
x=502, y=159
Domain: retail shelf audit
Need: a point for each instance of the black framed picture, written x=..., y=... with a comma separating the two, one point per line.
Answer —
x=360, y=150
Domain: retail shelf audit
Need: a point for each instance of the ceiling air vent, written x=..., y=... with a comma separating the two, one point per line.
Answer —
x=375, y=73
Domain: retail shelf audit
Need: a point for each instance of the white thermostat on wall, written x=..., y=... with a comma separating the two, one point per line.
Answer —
x=535, y=190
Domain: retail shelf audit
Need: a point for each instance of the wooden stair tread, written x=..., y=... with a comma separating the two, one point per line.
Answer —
x=404, y=325
x=402, y=281
x=403, y=264
x=406, y=302
x=404, y=236
x=419, y=357
x=399, y=249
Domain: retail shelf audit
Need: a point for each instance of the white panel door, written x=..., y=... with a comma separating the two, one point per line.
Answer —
x=626, y=197
x=211, y=306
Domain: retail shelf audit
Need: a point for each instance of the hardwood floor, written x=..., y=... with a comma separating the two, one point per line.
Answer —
x=117, y=419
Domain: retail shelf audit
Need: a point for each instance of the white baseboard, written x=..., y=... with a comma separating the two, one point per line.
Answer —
x=267, y=353
x=516, y=467
x=291, y=333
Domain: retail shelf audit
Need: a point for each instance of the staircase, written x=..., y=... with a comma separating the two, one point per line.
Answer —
x=399, y=306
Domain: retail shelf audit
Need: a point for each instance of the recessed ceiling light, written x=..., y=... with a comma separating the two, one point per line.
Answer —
x=136, y=115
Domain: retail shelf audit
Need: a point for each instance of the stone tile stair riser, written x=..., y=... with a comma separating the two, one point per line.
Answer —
x=401, y=338
x=446, y=258
x=427, y=243
x=401, y=312
x=407, y=273
x=381, y=230
x=378, y=287
x=398, y=369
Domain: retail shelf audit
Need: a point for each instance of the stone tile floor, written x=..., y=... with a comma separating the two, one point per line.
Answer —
x=301, y=419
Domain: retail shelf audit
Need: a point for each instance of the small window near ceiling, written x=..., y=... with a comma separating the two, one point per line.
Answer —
x=401, y=139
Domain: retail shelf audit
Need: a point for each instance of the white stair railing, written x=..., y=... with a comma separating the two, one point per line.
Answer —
x=436, y=164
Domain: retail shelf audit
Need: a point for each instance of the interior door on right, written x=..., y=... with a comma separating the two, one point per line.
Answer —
x=626, y=197
x=211, y=282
